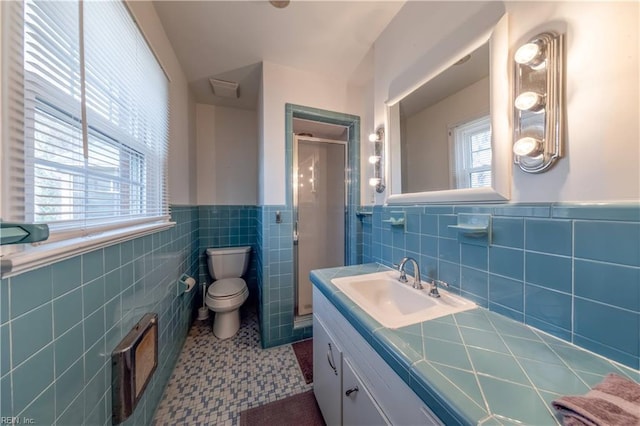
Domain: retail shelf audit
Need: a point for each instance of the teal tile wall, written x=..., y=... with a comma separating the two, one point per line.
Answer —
x=275, y=280
x=572, y=270
x=60, y=323
x=228, y=226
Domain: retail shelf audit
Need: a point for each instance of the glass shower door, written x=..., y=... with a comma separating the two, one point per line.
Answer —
x=319, y=209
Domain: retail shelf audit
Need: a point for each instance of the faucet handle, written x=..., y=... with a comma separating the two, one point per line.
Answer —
x=434, y=287
x=440, y=283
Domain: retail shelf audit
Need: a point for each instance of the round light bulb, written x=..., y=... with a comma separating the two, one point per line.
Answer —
x=529, y=101
x=529, y=54
x=374, y=159
x=374, y=181
x=373, y=137
x=527, y=147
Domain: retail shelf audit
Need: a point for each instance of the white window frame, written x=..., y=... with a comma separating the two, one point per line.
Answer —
x=66, y=243
x=460, y=150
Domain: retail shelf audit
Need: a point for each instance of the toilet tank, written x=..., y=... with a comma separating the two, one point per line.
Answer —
x=228, y=262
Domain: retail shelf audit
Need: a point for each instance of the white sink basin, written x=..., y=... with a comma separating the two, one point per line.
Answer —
x=394, y=304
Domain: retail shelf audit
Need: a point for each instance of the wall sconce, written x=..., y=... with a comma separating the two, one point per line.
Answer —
x=377, y=139
x=538, y=103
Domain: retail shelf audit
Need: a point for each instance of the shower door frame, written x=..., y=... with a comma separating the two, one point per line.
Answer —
x=295, y=211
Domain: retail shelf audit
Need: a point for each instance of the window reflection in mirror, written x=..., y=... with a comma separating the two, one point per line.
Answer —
x=445, y=129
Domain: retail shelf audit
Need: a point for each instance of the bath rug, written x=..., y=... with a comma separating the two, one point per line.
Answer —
x=297, y=410
x=304, y=355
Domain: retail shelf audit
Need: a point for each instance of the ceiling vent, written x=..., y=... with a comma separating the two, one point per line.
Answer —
x=224, y=89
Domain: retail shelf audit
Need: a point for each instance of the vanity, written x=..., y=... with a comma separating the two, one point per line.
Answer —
x=470, y=367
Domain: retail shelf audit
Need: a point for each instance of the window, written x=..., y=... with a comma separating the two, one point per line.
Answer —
x=87, y=106
x=471, y=142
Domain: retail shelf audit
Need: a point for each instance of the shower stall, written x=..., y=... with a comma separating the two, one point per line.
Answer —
x=319, y=211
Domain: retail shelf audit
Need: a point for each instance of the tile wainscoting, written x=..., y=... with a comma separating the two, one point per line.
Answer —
x=60, y=323
x=571, y=270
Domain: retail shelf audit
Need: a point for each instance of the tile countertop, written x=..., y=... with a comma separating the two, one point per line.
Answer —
x=477, y=366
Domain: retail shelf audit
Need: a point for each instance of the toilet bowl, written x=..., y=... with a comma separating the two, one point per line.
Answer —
x=228, y=291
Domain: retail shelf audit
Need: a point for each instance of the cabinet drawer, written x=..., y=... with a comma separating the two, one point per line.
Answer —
x=358, y=406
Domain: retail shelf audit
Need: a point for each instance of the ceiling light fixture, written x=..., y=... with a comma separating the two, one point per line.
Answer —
x=463, y=60
x=280, y=4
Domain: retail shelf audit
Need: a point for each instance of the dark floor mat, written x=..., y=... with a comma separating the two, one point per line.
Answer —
x=297, y=410
x=304, y=354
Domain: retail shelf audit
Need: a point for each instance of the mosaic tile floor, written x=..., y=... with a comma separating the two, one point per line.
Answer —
x=214, y=380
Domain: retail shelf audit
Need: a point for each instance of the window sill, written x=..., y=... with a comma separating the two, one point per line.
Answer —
x=35, y=257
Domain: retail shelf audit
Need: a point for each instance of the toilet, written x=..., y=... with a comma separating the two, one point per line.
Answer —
x=228, y=291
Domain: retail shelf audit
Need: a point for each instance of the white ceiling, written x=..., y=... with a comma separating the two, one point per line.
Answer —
x=228, y=40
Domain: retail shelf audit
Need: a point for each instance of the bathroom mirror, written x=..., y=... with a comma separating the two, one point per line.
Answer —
x=449, y=135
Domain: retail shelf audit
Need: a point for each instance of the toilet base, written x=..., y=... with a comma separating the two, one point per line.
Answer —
x=226, y=324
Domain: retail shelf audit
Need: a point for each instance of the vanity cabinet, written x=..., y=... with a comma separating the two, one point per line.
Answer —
x=342, y=397
x=327, y=374
x=352, y=383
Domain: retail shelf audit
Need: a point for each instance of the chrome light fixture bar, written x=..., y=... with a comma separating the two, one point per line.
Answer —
x=539, y=103
x=377, y=139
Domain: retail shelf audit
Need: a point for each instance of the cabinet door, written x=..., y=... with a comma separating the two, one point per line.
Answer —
x=359, y=407
x=327, y=374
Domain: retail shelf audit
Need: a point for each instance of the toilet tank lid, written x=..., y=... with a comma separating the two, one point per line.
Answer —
x=229, y=250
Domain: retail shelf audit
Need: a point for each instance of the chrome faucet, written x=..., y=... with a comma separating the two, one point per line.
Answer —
x=416, y=272
x=433, y=292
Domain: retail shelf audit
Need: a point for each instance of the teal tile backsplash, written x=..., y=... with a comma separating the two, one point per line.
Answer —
x=550, y=271
x=60, y=323
x=615, y=242
x=548, y=236
x=607, y=283
x=572, y=270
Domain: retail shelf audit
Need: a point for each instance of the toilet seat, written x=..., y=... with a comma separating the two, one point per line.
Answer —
x=224, y=297
x=227, y=288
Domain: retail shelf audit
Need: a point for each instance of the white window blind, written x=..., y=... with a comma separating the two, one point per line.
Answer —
x=472, y=147
x=88, y=146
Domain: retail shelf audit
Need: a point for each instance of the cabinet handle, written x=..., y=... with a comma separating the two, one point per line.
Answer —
x=330, y=360
x=352, y=390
